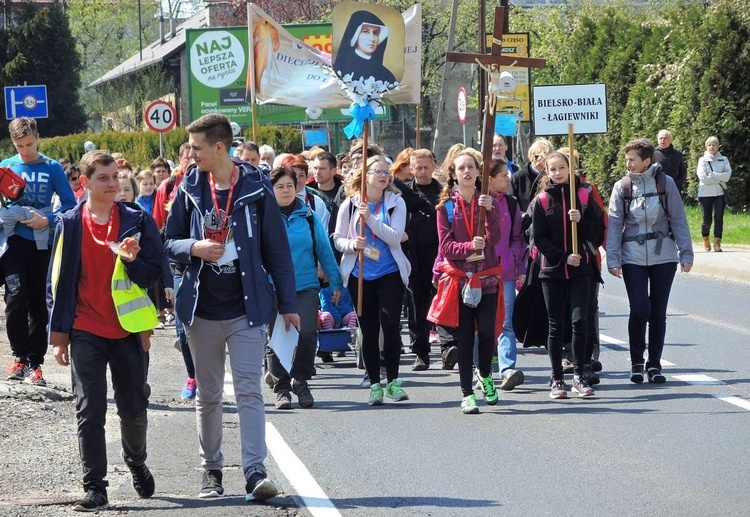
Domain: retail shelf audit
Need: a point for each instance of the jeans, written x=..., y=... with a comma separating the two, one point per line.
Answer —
x=89, y=356
x=506, y=343
x=182, y=336
x=648, y=290
x=713, y=206
x=303, y=364
x=381, y=308
x=560, y=293
x=484, y=316
x=209, y=341
x=25, y=269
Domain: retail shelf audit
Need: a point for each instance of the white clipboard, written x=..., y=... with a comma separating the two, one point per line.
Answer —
x=284, y=342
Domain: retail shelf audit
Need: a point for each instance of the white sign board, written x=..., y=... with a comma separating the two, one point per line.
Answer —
x=583, y=105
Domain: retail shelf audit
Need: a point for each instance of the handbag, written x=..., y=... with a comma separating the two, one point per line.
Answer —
x=11, y=185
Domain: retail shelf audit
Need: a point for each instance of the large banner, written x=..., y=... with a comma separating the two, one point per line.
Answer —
x=518, y=103
x=286, y=70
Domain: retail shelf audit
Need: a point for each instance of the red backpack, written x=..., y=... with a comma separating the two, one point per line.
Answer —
x=11, y=185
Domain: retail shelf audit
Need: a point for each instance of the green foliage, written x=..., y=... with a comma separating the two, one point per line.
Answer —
x=685, y=68
x=286, y=138
x=38, y=48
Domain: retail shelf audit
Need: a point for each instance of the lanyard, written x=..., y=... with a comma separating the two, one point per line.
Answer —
x=90, y=225
x=223, y=220
x=468, y=222
x=375, y=214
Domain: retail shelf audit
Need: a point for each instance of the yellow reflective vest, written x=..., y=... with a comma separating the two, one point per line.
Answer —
x=135, y=310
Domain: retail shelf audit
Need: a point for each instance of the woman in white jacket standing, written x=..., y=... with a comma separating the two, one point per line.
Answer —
x=385, y=273
x=713, y=172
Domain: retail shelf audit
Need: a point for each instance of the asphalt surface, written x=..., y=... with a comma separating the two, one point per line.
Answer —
x=673, y=449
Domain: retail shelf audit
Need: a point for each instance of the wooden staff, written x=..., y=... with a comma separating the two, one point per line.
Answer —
x=251, y=67
x=572, y=180
x=363, y=199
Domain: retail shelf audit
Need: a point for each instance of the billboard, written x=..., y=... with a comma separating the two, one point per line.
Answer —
x=515, y=45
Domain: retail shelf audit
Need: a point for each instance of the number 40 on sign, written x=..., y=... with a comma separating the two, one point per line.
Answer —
x=160, y=116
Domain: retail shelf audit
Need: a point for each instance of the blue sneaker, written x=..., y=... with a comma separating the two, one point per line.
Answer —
x=188, y=392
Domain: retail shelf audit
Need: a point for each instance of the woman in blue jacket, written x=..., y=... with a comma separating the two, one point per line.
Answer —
x=308, y=241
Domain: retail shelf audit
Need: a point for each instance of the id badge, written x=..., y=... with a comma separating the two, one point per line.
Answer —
x=372, y=253
x=475, y=257
x=230, y=254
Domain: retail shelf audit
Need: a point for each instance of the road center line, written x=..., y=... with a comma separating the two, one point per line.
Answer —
x=294, y=470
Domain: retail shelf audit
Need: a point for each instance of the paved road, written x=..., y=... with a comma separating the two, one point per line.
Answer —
x=674, y=449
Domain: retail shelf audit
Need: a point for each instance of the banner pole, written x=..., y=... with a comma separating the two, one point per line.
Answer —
x=419, y=125
x=572, y=181
x=251, y=66
x=363, y=199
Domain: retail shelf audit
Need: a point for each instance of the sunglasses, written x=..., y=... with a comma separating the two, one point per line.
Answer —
x=74, y=178
x=379, y=172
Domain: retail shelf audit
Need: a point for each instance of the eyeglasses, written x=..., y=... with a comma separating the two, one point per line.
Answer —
x=379, y=172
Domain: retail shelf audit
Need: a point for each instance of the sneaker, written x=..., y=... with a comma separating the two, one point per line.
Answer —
x=365, y=382
x=94, y=500
x=259, y=488
x=211, y=485
x=394, y=391
x=596, y=365
x=283, y=400
x=558, y=390
x=636, y=373
x=269, y=380
x=567, y=365
x=16, y=371
x=495, y=364
x=655, y=376
x=488, y=389
x=169, y=318
x=512, y=379
x=34, y=377
x=421, y=363
x=582, y=387
x=188, y=392
x=469, y=405
x=376, y=395
x=326, y=357
x=143, y=481
x=591, y=378
x=304, y=396
x=450, y=357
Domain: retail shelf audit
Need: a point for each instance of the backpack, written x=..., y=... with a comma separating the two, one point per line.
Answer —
x=583, y=200
x=626, y=184
x=311, y=222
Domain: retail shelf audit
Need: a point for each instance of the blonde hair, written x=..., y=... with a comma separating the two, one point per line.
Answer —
x=354, y=182
x=541, y=146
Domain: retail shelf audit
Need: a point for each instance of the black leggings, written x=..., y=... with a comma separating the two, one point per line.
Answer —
x=381, y=307
x=558, y=293
x=713, y=207
x=482, y=319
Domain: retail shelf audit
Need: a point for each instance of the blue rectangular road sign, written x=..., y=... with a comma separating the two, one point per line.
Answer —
x=26, y=101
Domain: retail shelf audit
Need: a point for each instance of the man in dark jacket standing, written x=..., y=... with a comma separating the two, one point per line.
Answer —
x=672, y=161
x=227, y=228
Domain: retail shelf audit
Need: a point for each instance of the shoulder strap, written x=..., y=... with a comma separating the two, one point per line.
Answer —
x=512, y=205
x=449, y=210
x=544, y=200
x=583, y=197
x=311, y=222
x=626, y=185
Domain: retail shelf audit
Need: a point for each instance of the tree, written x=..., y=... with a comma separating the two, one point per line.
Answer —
x=39, y=49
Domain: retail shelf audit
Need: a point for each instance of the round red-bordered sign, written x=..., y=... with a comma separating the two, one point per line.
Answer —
x=462, y=105
x=160, y=116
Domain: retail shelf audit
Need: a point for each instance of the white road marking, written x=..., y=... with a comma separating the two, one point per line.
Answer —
x=228, y=384
x=698, y=379
x=294, y=470
x=614, y=341
x=744, y=404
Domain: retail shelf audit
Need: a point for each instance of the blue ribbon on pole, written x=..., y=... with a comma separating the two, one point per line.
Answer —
x=361, y=115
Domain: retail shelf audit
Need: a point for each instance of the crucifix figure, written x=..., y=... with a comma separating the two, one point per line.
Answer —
x=491, y=64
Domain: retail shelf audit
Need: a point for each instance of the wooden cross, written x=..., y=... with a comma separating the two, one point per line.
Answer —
x=488, y=126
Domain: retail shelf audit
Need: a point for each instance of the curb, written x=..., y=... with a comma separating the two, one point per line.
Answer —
x=733, y=264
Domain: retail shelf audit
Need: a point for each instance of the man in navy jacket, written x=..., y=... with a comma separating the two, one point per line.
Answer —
x=226, y=228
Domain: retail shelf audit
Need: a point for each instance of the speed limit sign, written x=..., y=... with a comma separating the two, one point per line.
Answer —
x=462, y=105
x=160, y=116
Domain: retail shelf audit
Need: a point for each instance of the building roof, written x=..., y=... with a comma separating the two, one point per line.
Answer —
x=156, y=52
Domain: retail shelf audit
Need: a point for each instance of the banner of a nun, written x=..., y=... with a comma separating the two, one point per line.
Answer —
x=285, y=70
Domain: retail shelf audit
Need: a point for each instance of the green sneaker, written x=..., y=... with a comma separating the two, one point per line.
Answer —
x=376, y=395
x=469, y=405
x=488, y=388
x=394, y=391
